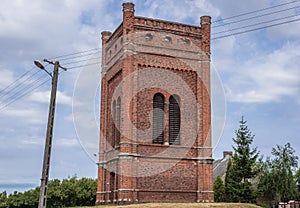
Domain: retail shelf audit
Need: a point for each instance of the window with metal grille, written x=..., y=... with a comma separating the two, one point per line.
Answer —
x=118, y=121
x=158, y=119
x=174, y=120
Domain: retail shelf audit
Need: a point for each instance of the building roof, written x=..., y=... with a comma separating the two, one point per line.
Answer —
x=220, y=166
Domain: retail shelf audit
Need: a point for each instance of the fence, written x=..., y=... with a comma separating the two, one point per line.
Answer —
x=290, y=204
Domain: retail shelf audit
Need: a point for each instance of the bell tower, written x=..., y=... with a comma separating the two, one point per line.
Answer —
x=155, y=125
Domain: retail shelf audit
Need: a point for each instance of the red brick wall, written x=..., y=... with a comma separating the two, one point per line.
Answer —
x=179, y=172
x=168, y=196
x=180, y=177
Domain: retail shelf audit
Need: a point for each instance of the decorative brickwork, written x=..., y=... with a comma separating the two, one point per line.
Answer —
x=142, y=58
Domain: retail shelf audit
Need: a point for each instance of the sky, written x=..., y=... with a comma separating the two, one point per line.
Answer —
x=254, y=74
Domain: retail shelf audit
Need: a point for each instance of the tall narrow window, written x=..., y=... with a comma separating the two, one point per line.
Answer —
x=118, y=121
x=158, y=119
x=112, y=181
x=174, y=120
x=114, y=124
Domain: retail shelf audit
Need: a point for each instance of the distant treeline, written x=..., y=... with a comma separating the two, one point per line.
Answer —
x=66, y=193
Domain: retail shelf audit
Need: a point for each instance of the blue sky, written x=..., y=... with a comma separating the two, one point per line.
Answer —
x=259, y=73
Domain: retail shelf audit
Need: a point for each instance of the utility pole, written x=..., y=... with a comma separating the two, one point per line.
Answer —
x=48, y=142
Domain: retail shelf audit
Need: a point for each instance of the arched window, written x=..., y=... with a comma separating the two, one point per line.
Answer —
x=158, y=119
x=118, y=121
x=114, y=124
x=174, y=120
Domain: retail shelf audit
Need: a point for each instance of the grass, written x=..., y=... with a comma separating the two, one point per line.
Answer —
x=181, y=205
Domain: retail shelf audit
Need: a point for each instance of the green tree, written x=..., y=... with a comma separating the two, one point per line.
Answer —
x=232, y=185
x=15, y=200
x=266, y=185
x=85, y=191
x=66, y=193
x=276, y=180
x=3, y=199
x=55, y=195
x=284, y=163
x=72, y=192
x=297, y=178
x=243, y=164
x=30, y=198
x=219, y=190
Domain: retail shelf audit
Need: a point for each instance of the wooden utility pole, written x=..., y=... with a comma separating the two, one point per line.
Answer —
x=48, y=142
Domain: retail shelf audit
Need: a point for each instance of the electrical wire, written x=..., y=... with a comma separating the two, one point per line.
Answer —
x=26, y=92
x=13, y=83
x=80, y=66
x=274, y=20
x=18, y=85
x=79, y=56
x=20, y=91
x=259, y=28
x=75, y=62
x=255, y=11
x=71, y=54
x=250, y=18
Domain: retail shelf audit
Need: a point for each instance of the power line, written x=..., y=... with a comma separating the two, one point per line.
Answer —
x=274, y=20
x=79, y=56
x=72, y=54
x=20, y=91
x=29, y=90
x=1, y=91
x=80, y=66
x=259, y=28
x=18, y=85
x=74, y=62
x=262, y=15
x=16, y=93
x=255, y=11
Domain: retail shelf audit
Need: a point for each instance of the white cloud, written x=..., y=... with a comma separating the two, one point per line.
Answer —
x=19, y=112
x=67, y=142
x=44, y=97
x=232, y=7
x=268, y=78
x=6, y=78
x=26, y=115
x=31, y=141
x=181, y=10
x=43, y=29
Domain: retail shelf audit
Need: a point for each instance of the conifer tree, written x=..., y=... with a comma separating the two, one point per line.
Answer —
x=232, y=185
x=219, y=190
x=243, y=162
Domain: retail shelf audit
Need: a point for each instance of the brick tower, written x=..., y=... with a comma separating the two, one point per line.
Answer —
x=155, y=131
